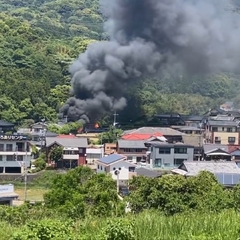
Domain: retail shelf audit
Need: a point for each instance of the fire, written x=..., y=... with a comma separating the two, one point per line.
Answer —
x=96, y=125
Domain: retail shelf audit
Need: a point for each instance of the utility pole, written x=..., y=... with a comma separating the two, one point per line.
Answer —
x=115, y=118
x=199, y=145
x=25, y=177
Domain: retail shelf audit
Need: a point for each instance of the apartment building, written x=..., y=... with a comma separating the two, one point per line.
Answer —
x=15, y=153
x=222, y=132
x=165, y=155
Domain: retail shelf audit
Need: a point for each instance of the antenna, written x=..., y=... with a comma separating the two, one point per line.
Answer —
x=115, y=118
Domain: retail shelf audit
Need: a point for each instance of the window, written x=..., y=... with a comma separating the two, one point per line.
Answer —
x=101, y=167
x=197, y=151
x=180, y=150
x=131, y=169
x=129, y=158
x=158, y=162
x=214, y=129
x=178, y=162
x=231, y=139
x=98, y=166
x=19, y=158
x=164, y=150
x=1, y=147
x=166, y=164
x=9, y=147
x=1, y=157
x=10, y=158
x=217, y=140
x=229, y=130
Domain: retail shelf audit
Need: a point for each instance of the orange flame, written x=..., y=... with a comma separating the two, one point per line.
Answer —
x=96, y=125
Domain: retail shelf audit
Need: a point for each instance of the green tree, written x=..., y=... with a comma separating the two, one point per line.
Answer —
x=111, y=136
x=56, y=153
x=81, y=192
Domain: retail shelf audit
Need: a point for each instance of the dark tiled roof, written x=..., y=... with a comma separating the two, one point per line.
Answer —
x=223, y=123
x=6, y=124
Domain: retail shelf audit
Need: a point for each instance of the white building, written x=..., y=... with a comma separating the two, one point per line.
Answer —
x=113, y=162
x=15, y=153
x=94, y=154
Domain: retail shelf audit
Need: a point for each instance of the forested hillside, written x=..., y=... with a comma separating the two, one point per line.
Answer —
x=40, y=38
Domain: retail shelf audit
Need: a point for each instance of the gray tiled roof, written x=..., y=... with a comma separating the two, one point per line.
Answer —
x=193, y=168
x=223, y=123
x=147, y=172
x=131, y=144
x=152, y=130
x=67, y=142
x=210, y=147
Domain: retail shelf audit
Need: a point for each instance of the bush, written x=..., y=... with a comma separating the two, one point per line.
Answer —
x=120, y=229
x=40, y=163
x=46, y=230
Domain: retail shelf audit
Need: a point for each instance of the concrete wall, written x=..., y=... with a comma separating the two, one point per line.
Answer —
x=167, y=160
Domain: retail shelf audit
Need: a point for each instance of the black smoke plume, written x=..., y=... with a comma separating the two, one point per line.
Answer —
x=146, y=37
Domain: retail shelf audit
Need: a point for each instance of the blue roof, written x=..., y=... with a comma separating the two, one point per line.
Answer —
x=235, y=153
x=111, y=158
x=228, y=178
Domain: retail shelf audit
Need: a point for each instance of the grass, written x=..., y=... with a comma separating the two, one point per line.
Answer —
x=150, y=225
x=33, y=194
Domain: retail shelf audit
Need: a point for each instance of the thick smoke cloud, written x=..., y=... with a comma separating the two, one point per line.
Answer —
x=146, y=37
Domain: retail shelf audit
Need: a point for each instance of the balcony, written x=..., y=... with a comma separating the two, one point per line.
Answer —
x=70, y=156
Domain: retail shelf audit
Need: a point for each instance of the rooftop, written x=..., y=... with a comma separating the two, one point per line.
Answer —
x=140, y=136
x=195, y=167
x=223, y=123
x=67, y=142
x=131, y=144
x=210, y=147
x=111, y=159
x=147, y=172
x=153, y=130
x=3, y=123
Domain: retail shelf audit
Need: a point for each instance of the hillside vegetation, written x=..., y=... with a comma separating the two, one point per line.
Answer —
x=40, y=38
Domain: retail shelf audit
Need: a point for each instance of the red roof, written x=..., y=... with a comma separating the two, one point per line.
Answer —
x=66, y=136
x=232, y=148
x=137, y=136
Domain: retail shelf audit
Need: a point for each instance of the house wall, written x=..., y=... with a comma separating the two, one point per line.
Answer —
x=109, y=148
x=169, y=160
x=14, y=154
x=124, y=174
x=224, y=137
x=133, y=154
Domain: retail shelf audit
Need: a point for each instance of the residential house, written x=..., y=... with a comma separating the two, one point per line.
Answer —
x=93, y=154
x=227, y=173
x=170, y=134
x=222, y=132
x=135, y=151
x=197, y=141
x=6, y=127
x=109, y=164
x=227, y=106
x=234, y=151
x=191, y=120
x=166, y=155
x=74, y=150
x=216, y=152
x=110, y=148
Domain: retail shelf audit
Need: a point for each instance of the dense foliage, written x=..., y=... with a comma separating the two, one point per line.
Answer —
x=82, y=205
x=40, y=38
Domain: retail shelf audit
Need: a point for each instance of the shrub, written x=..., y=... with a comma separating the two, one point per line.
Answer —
x=46, y=230
x=119, y=229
